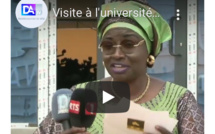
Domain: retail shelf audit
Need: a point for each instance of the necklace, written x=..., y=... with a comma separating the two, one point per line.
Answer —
x=139, y=97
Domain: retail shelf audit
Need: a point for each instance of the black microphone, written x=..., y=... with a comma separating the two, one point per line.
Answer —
x=83, y=107
x=60, y=107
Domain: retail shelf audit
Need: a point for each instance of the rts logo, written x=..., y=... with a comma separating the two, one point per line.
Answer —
x=74, y=107
x=31, y=9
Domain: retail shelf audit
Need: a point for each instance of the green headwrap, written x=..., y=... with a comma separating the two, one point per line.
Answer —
x=155, y=30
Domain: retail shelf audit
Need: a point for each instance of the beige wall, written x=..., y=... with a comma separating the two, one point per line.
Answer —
x=29, y=130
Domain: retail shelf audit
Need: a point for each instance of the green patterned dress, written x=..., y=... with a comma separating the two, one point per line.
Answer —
x=176, y=99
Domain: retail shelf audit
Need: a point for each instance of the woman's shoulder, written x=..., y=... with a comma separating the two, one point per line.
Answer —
x=84, y=84
x=173, y=88
x=81, y=85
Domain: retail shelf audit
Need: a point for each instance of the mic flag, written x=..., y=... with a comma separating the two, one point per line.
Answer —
x=60, y=107
x=83, y=107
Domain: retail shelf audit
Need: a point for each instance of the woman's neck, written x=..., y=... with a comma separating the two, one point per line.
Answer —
x=138, y=86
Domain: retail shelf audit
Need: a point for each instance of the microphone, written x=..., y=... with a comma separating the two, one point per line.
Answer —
x=60, y=107
x=83, y=107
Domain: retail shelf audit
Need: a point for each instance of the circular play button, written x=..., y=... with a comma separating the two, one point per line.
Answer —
x=111, y=96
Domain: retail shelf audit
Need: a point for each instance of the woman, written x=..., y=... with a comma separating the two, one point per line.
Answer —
x=130, y=45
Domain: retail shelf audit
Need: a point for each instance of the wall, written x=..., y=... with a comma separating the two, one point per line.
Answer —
x=23, y=71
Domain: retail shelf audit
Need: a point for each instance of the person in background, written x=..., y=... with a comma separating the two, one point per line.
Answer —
x=129, y=46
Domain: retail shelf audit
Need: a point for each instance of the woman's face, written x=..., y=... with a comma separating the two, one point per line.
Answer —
x=124, y=65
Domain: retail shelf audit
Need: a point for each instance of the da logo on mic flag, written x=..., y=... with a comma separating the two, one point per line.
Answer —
x=31, y=13
x=63, y=103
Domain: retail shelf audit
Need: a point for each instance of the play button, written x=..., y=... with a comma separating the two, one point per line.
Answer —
x=110, y=96
x=106, y=97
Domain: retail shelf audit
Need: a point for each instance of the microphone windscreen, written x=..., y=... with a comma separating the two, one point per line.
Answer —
x=83, y=107
x=91, y=106
x=76, y=106
x=60, y=105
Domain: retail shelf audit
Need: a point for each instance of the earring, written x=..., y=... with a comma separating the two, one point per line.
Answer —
x=150, y=61
x=103, y=63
